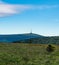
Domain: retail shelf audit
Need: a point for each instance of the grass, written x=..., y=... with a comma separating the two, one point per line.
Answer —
x=27, y=54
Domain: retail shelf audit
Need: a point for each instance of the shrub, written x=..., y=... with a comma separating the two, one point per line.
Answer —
x=50, y=48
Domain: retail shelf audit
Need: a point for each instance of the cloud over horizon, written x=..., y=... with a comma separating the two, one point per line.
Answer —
x=10, y=9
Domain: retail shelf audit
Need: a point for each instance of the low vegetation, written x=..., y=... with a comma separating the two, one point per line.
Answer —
x=28, y=54
x=50, y=48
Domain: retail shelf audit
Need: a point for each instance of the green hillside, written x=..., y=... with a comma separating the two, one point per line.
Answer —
x=27, y=54
x=41, y=40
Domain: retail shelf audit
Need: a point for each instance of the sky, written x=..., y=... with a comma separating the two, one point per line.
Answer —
x=22, y=16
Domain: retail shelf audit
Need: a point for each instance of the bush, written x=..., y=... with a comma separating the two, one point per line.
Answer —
x=50, y=48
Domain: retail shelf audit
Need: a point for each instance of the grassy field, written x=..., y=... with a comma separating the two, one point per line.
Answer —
x=27, y=54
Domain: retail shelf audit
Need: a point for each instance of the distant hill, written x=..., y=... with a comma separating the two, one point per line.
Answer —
x=18, y=37
x=41, y=40
x=29, y=38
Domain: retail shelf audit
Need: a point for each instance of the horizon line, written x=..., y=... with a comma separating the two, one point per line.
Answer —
x=27, y=33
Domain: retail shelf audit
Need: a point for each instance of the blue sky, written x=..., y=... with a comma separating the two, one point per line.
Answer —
x=22, y=16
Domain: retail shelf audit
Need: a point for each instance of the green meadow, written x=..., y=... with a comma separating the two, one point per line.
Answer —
x=27, y=54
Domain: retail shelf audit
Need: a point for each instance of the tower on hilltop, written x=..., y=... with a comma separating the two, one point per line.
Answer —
x=31, y=31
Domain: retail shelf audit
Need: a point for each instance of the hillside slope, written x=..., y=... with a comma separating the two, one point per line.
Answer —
x=16, y=37
x=41, y=40
x=27, y=54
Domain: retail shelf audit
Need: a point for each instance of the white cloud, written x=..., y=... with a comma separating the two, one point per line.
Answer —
x=47, y=6
x=9, y=9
